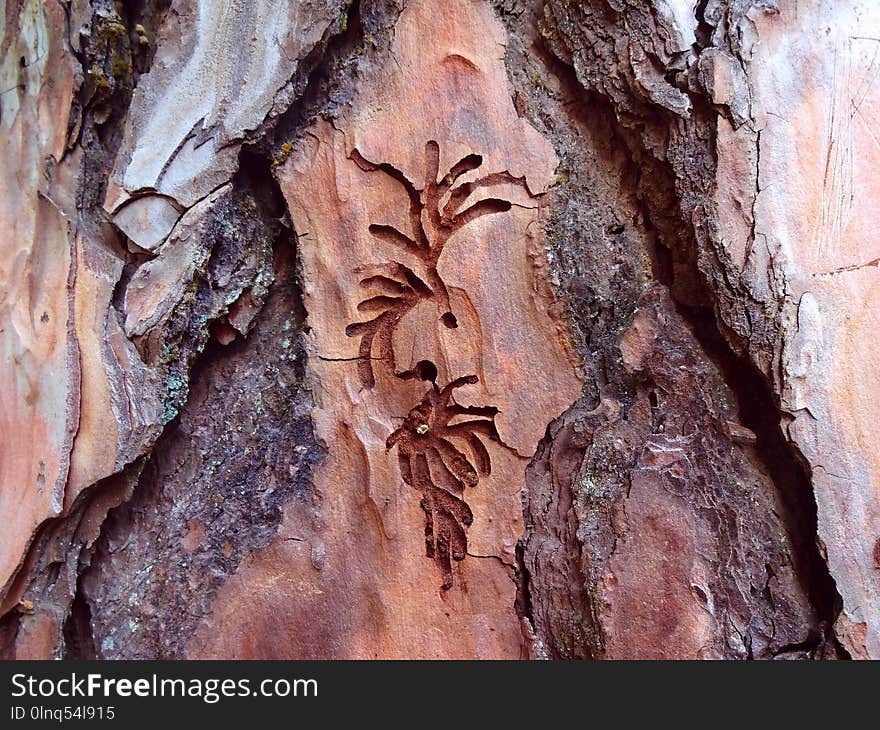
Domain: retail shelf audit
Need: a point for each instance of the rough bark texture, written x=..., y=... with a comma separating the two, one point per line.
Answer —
x=439, y=328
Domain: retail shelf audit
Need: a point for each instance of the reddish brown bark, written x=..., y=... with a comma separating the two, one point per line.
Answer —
x=391, y=328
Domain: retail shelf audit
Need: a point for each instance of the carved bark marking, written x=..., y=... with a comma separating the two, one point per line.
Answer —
x=435, y=215
x=429, y=460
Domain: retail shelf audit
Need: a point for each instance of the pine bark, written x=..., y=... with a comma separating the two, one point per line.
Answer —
x=439, y=329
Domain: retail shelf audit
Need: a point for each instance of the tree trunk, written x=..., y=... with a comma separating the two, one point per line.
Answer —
x=439, y=329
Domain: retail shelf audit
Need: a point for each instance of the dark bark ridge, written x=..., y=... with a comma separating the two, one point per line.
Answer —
x=632, y=209
x=242, y=447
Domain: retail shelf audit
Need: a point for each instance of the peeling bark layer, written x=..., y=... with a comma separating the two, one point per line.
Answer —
x=815, y=209
x=438, y=329
x=40, y=380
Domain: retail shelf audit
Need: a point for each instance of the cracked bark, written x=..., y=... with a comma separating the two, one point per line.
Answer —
x=636, y=235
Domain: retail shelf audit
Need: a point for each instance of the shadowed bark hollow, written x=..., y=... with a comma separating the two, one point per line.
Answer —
x=439, y=329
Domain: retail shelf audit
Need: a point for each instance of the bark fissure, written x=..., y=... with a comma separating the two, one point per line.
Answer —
x=235, y=490
x=330, y=63
x=760, y=413
x=681, y=256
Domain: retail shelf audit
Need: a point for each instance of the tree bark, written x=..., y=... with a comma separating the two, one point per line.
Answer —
x=439, y=329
